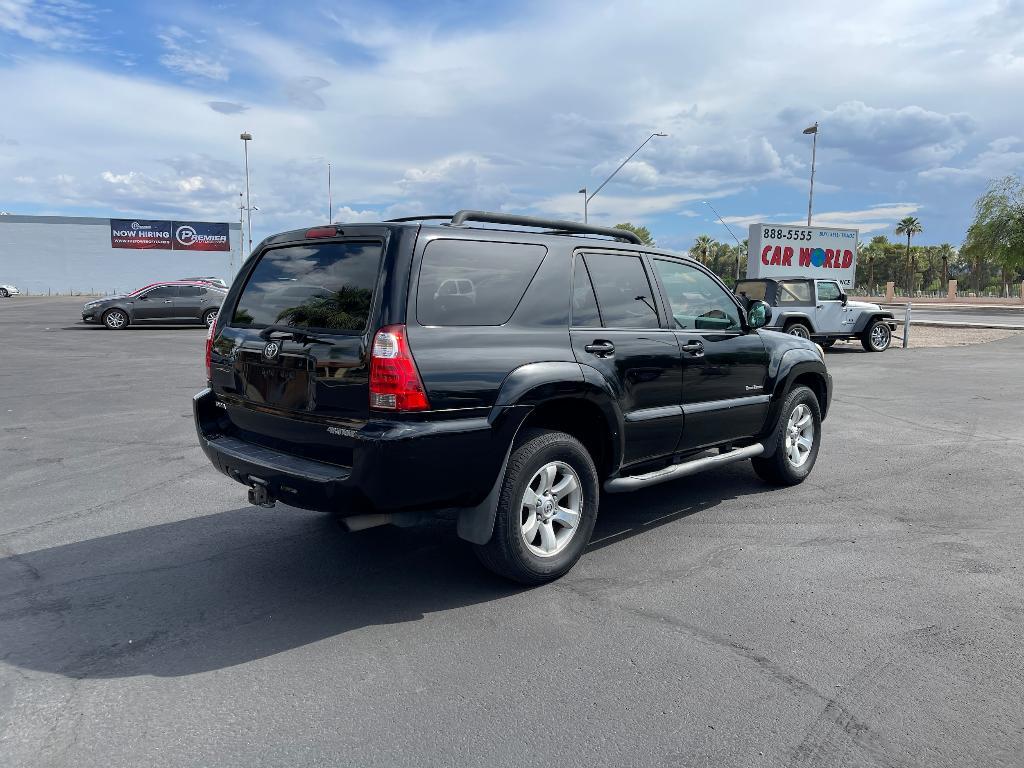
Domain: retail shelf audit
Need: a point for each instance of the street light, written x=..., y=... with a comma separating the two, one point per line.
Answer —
x=246, y=138
x=583, y=191
x=739, y=245
x=808, y=131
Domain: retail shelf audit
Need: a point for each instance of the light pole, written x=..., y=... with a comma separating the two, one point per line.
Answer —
x=812, y=130
x=330, y=200
x=246, y=138
x=739, y=245
x=583, y=191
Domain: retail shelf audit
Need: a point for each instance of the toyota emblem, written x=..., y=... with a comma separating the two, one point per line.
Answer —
x=271, y=350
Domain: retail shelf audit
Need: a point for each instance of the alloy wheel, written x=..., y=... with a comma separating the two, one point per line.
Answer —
x=880, y=336
x=551, y=508
x=799, y=435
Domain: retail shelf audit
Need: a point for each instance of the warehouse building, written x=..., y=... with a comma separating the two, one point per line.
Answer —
x=62, y=254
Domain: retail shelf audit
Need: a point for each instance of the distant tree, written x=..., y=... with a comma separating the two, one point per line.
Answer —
x=642, y=232
x=702, y=248
x=947, y=253
x=909, y=226
x=997, y=232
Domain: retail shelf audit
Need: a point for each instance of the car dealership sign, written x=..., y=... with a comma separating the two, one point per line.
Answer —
x=169, y=235
x=782, y=250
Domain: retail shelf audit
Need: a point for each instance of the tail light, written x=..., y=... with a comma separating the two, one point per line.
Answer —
x=395, y=384
x=209, y=350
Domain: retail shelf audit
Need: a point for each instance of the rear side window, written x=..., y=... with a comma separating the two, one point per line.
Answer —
x=472, y=282
x=623, y=292
x=328, y=286
x=755, y=290
x=190, y=291
x=794, y=292
x=584, y=303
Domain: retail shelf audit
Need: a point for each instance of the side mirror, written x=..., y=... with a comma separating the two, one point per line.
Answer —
x=759, y=314
x=843, y=298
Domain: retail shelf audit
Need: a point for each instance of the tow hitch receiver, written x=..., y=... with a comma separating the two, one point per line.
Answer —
x=258, y=495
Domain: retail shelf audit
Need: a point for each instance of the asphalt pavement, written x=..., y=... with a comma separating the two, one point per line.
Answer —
x=149, y=616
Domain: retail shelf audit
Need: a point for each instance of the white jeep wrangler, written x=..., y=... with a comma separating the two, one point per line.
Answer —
x=820, y=310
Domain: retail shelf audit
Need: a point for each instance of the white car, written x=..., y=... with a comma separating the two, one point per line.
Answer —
x=8, y=290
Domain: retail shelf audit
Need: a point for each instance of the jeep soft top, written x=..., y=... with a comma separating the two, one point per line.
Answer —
x=502, y=372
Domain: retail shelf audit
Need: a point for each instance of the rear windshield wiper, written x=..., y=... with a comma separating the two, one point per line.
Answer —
x=298, y=334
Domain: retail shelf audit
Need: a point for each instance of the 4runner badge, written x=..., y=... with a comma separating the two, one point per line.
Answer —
x=751, y=387
x=271, y=349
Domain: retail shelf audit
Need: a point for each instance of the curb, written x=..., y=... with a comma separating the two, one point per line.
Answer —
x=944, y=324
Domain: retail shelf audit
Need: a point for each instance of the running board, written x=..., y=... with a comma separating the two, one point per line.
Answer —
x=635, y=482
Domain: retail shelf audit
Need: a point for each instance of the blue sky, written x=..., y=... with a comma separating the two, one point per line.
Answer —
x=134, y=109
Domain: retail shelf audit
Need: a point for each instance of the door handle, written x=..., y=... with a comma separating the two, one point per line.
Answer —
x=168, y=301
x=696, y=348
x=600, y=348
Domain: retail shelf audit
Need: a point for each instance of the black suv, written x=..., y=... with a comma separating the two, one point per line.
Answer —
x=387, y=371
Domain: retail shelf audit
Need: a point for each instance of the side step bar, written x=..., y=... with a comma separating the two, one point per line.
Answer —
x=635, y=482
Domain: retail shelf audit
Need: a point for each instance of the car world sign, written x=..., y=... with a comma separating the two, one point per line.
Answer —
x=169, y=235
x=782, y=250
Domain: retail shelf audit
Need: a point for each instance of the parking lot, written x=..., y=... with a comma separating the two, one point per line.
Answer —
x=872, y=616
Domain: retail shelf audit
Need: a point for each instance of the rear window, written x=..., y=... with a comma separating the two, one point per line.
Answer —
x=755, y=290
x=472, y=282
x=328, y=286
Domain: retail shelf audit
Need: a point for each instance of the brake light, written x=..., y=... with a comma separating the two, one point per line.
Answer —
x=209, y=350
x=321, y=232
x=395, y=384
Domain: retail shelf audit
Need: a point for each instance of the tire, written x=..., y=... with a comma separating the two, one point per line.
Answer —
x=513, y=551
x=780, y=468
x=209, y=317
x=115, y=319
x=799, y=329
x=3, y=293
x=877, y=337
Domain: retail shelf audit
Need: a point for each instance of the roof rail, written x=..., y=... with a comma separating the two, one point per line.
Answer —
x=568, y=227
x=400, y=219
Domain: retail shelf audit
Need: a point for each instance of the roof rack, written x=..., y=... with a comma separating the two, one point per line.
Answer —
x=568, y=227
x=401, y=219
x=554, y=226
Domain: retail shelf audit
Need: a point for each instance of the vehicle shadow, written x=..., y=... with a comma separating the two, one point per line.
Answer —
x=211, y=592
x=148, y=327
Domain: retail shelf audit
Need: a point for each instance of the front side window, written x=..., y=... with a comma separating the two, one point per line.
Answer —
x=162, y=292
x=623, y=291
x=474, y=282
x=829, y=292
x=696, y=300
x=796, y=292
x=326, y=286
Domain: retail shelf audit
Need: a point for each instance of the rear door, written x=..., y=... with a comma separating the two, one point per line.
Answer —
x=616, y=328
x=189, y=303
x=275, y=382
x=725, y=366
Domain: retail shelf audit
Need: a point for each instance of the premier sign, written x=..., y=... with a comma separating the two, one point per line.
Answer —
x=775, y=250
x=169, y=235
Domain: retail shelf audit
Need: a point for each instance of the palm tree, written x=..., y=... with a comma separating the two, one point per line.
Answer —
x=702, y=248
x=909, y=226
x=947, y=252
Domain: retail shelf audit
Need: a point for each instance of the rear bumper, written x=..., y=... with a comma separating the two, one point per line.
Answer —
x=395, y=466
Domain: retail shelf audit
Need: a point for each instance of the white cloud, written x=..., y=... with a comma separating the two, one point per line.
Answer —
x=60, y=25
x=184, y=57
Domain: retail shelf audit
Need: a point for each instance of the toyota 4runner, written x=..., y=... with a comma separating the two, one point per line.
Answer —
x=415, y=367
